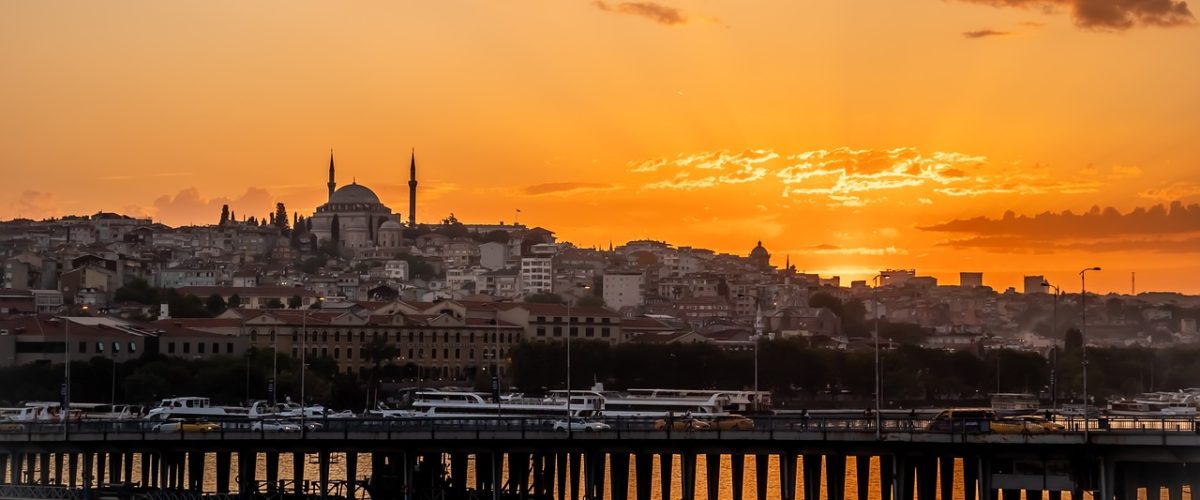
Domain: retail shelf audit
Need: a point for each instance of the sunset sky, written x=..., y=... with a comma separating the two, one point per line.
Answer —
x=850, y=135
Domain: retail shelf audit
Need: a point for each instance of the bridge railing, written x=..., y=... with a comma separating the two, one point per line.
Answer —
x=506, y=425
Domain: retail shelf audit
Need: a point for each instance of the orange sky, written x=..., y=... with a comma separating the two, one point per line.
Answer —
x=845, y=134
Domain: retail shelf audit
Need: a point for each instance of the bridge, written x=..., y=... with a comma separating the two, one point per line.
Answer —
x=513, y=458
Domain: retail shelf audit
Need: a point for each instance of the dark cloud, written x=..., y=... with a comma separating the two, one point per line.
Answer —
x=1110, y=14
x=658, y=13
x=1020, y=244
x=565, y=187
x=189, y=207
x=1176, y=219
x=985, y=33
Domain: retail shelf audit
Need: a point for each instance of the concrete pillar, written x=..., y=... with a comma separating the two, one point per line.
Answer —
x=762, y=471
x=971, y=479
x=271, y=465
x=87, y=475
x=903, y=478
x=601, y=467
x=563, y=471
x=687, y=473
x=576, y=471
x=862, y=472
x=644, y=475
x=352, y=474
x=115, y=467
x=927, y=481
x=128, y=463
x=72, y=470
x=224, y=462
x=458, y=473
x=196, y=471
x=298, y=472
x=247, y=467
x=737, y=465
x=619, y=475
x=483, y=471
x=549, y=474
x=986, y=491
x=887, y=477
x=44, y=469
x=1107, y=479
x=58, y=468
x=518, y=473
x=537, y=468
x=946, y=478
x=835, y=477
x=323, y=472
x=787, y=476
x=14, y=468
x=666, y=468
x=101, y=461
x=4, y=469
x=712, y=466
x=812, y=476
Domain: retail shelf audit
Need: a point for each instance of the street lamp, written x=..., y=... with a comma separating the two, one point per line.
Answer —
x=1054, y=349
x=1083, y=337
x=116, y=349
x=569, y=303
x=758, y=333
x=303, y=362
x=878, y=382
x=67, y=365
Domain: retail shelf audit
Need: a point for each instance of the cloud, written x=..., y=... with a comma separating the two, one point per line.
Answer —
x=1158, y=220
x=735, y=168
x=658, y=13
x=1110, y=15
x=35, y=205
x=1178, y=190
x=985, y=33
x=154, y=175
x=1020, y=244
x=188, y=207
x=827, y=249
x=566, y=188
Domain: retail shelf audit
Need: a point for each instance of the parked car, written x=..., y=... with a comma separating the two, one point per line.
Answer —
x=682, y=424
x=274, y=426
x=12, y=427
x=184, y=426
x=963, y=420
x=576, y=424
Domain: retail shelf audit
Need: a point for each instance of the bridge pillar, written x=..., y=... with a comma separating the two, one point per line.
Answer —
x=927, y=481
x=483, y=471
x=762, y=470
x=787, y=476
x=835, y=477
x=903, y=478
x=87, y=475
x=549, y=468
x=115, y=467
x=666, y=468
x=600, y=464
x=971, y=479
x=561, y=475
x=247, y=468
x=862, y=476
x=150, y=469
x=644, y=475
x=352, y=474
x=44, y=468
x=272, y=470
x=195, y=467
x=101, y=459
x=72, y=469
x=811, y=464
x=576, y=471
x=323, y=472
x=887, y=477
x=712, y=467
x=224, y=462
x=297, y=472
x=538, y=469
x=458, y=473
x=619, y=476
x=4, y=469
x=687, y=465
x=128, y=462
x=516, y=471
x=737, y=465
x=945, y=474
x=58, y=469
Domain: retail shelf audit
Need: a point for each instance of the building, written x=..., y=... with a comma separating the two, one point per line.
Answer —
x=890, y=277
x=353, y=217
x=1036, y=284
x=623, y=290
x=760, y=258
x=537, y=269
x=548, y=322
x=493, y=255
x=970, y=280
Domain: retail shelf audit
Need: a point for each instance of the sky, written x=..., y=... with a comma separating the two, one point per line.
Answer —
x=1009, y=137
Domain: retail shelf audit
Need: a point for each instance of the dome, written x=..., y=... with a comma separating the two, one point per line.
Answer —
x=759, y=250
x=354, y=193
x=391, y=224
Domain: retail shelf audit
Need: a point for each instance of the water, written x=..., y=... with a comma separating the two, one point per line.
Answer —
x=337, y=471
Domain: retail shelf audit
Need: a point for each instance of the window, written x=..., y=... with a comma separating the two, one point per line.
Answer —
x=433, y=354
x=558, y=331
x=170, y=348
x=324, y=336
x=187, y=347
x=337, y=353
x=99, y=347
x=589, y=332
x=458, y=336
x=604, y=332
x=199, y=347
x=83, y=347
x=445, y=353
x=324, y=351
x=471, y=353
x=541, y=331
x=410, y=337
x=337, y=336
x=229, y=348
x=471, y=337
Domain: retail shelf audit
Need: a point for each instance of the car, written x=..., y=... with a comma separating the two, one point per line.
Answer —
x=580, y=424
x=1026, y=424
x=184, y=426
x=11, y=427
x=731, y=423
x=274, y=426
x=963, y=420
x=681, y=424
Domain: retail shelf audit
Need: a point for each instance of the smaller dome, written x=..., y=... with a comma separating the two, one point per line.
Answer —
x=354, y=193
x=391, y=224
x=759, y=250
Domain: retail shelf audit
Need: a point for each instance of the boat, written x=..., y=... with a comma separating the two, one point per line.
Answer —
x=658, y=403
x=194, y=408
x=1078, y=410
x=1015, y=403
x=454, y=404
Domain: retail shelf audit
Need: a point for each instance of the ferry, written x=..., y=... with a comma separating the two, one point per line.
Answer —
x=658, y=403
x=1014, y=403
x=734, y=401
x=453, y=404
x=194, y=408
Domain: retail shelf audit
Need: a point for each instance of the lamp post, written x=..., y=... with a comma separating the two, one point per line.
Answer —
x=569, y=303
x=757, y=337
x=1083, y=337
x=303, y=362
x=116, y=348
x=1054, y=349
x=878, y=381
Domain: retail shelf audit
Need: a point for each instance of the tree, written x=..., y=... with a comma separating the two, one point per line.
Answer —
x=544, y=298
x=274, y=303
x=235, y=301
x=215, y=304
x=137, y=291
x=590, y=301
x=1073, y=342
x=295, y=302
x=281, y=216
x=378, y=350
x=224, y=215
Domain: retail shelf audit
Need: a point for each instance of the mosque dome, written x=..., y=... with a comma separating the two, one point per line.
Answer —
x=390, y=224
x=759, y=251
x=354, y=193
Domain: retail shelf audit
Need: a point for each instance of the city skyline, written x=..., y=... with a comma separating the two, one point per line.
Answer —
x=698, y=123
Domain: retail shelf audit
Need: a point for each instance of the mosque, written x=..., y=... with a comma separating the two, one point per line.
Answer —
x=354, y=218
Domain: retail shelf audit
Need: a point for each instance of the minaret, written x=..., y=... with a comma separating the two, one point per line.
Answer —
x=331, y=184
x=412, y=189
